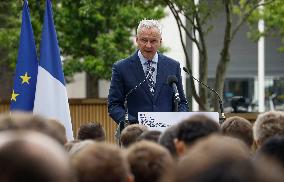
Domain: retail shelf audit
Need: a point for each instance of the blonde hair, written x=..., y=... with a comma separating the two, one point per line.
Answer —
x=267, y=125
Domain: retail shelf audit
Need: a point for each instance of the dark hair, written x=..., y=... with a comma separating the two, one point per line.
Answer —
x=167, y=139
x=196, y=127
x=238, y=127
x=92, y=130
x=274, y=148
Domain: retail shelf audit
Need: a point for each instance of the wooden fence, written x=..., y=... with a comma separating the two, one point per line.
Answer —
x=83, y=111
x=86, y=110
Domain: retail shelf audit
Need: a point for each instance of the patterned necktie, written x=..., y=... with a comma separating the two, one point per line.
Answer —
x=149, y=77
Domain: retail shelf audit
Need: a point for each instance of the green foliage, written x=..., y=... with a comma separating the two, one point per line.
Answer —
x=198, y=19
x=274, y=22
x=10, y=27
x=10, y=23
x=272, y=15
x=92, y=34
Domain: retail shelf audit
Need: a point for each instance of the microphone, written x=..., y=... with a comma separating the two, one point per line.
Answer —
x=222, y=118
x=150, y=73
x=172, y=81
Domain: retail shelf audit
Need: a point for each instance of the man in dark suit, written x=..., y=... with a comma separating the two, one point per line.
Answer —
x=154, y=94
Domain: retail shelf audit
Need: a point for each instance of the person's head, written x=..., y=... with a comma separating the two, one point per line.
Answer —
x=32, y=156
x=151, y=135
x=70, y=144
x=192, y=129
x=77, y=146
x=93, y=131
x=22, y=121
x=213, y=159
x=274, y=149
x=32, y=122
x=238, y=127
x=267, y=125
x=167, y=139
x=57, y=130
x=223, y=158
x=101, y=162
x=130, y=134
x=149, y=37
x=149, y=162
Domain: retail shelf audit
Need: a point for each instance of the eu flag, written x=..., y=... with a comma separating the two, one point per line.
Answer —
x=51, y=96
x=25, y=79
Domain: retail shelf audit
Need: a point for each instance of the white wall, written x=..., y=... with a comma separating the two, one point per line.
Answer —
x=103, y=88
x=77, y=89
x=171, y=39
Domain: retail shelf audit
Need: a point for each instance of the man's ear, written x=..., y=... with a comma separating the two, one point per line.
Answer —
x=180, y=147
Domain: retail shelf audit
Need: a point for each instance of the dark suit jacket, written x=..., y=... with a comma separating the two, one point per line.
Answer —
x=128, y=73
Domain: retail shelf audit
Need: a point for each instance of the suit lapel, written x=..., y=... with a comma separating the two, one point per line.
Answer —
x=161, y=67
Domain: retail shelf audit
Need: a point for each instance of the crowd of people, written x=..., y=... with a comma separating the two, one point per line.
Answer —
x=33, y=148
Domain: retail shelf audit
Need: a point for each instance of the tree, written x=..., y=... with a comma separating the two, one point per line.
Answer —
x=10, y=23
x=198, y=20
x=10, y=26
x=272, y=15
x=93, y=34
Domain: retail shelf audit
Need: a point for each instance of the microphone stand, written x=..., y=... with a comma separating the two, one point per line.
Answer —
x=222, y=117
x=176, y=102
x=126, y=116
x=172, y=81
x=176, y=105
x=126, y=119
x=121, y=124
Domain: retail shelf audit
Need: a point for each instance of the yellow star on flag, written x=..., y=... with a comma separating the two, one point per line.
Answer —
x=14, y=95
x=25, y=78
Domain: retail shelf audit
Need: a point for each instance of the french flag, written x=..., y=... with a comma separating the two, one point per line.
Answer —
x=51, y=96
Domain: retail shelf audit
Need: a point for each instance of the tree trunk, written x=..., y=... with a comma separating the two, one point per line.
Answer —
x=92, y=86
x=203, y=91
x=203, y=62
x=225, y=56
x=220, y=77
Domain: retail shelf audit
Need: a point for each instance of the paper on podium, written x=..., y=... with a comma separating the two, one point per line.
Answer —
x=161, y=120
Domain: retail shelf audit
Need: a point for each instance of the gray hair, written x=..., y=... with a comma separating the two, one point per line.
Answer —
x=149, y=24
x=268, y=124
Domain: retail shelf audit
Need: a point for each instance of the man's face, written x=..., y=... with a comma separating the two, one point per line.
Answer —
x=148, y=41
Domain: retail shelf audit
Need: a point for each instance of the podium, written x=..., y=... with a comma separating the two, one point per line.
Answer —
x=161, y=120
